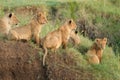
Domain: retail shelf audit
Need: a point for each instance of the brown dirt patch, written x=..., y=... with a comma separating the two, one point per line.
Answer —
x=63, y=67
x=21, y=61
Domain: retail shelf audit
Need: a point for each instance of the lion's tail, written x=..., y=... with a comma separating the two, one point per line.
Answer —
x=44, y=55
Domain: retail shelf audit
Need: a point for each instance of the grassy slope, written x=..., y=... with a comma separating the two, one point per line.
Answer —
x=110, y=68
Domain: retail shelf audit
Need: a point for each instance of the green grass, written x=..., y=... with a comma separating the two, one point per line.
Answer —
x=109, y=69
x=17, y=3
x=48, y=28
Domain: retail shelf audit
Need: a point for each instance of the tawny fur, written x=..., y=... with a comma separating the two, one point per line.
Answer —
x=7, y=22
x=30, y=30
x=95, y=52
x=74, y=37
x=55, y=39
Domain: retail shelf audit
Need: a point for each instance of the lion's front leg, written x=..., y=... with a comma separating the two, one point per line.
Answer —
x=36, y=36
x=99, y=54
x=64, y=44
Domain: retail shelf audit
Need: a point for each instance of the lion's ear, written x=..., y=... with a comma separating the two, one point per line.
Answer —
x=76, y=32
x=39, y=14
x=105, y=39
x=70, y=21
x=10, y=15
x=97, y=40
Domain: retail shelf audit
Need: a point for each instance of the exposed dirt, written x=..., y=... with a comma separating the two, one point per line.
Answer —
x=21, y=61
x=63, y=67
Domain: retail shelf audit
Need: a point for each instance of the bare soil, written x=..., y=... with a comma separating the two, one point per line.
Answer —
x=22, y=61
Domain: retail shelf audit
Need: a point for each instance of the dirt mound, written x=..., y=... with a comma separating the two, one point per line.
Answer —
x=63, y=67
x=22, y=61
x=19, y=61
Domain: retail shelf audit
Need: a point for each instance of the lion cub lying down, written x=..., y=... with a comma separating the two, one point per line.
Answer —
x=95, y=52
x=53, y=40
x=30, y=30
x=7, y=22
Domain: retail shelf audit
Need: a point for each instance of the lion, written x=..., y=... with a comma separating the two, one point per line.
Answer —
x=30, y=30
x=7, y=22
x=56, y=38
x=74, y=37
x=95, y=52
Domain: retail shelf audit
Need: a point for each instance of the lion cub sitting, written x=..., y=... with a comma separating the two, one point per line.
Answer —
x=7, y=22
x=74, y=38
x=95, y=52
x=53, y=40
x=30, y=30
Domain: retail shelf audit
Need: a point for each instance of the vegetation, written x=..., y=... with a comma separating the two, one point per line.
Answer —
x=103, y=14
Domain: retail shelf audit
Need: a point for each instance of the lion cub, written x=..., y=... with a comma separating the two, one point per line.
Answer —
x=74, y=38
x=7, y=22
x=30, y=30
x=53, y=40
x=95, y=52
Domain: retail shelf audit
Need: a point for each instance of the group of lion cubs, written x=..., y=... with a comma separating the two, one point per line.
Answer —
x=52, y=40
